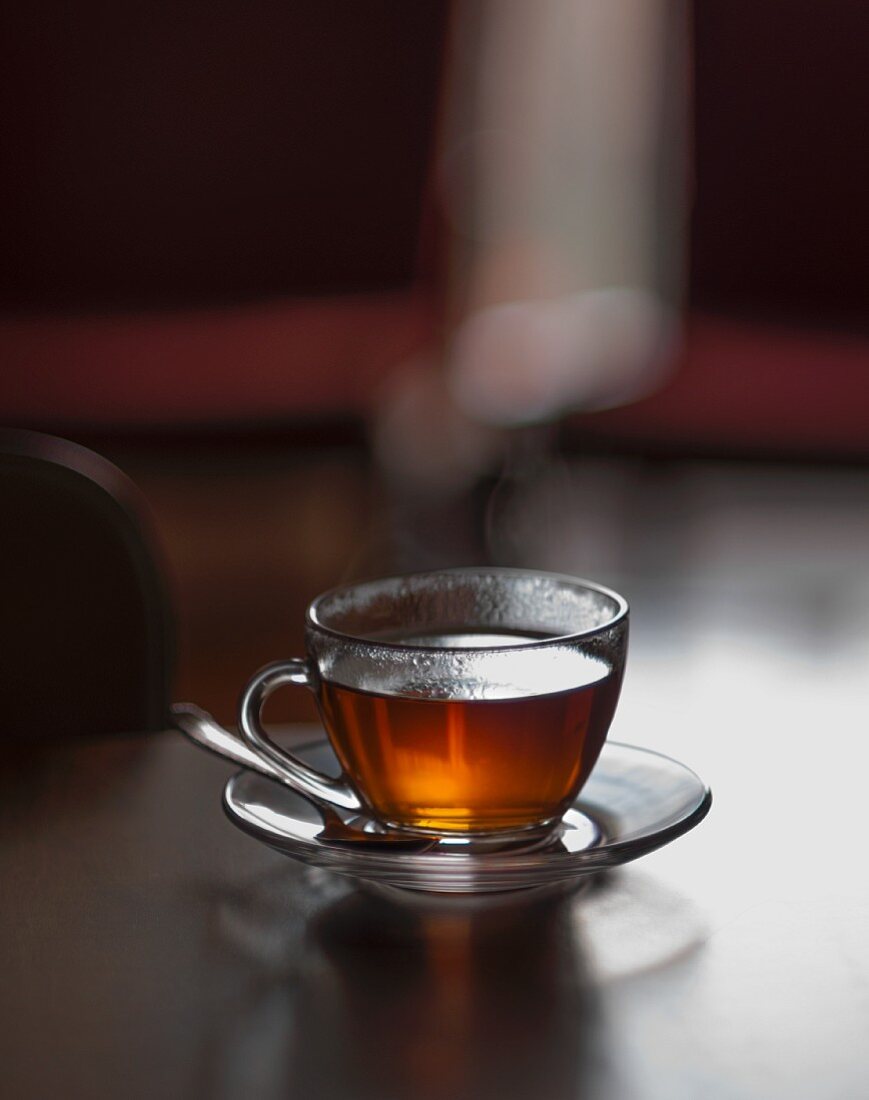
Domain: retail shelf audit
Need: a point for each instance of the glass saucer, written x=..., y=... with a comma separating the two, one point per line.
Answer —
x=634, y=801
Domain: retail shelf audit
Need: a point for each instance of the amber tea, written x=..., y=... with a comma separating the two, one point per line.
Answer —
x=456, y=757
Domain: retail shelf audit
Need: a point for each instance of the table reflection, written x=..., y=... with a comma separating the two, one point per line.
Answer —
x=364, y=995
x=422, y=999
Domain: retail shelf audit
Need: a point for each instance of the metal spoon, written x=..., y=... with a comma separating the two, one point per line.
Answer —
x=197, y=725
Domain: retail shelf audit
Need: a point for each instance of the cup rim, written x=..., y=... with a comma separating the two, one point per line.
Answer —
x=620, y=615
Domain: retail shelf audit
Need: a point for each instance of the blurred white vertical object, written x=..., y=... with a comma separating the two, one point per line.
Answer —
x=565, y=186
x=563, y=179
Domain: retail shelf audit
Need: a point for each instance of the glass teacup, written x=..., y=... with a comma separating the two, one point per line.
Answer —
x=463, y=702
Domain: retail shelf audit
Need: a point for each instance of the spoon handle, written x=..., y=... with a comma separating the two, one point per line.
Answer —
x=197, y=725
x=202, y=730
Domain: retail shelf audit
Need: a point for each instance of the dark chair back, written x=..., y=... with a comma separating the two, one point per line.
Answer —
x=87, y=636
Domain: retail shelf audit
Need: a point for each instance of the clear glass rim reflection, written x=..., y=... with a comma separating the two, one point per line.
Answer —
x=620, y=614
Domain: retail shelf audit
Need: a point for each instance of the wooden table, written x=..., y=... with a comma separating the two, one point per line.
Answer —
x=149, y=949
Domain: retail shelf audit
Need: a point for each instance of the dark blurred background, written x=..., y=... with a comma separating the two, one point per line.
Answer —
x=349, y=287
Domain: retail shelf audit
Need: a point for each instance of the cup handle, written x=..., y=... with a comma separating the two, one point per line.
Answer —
x=321, y=788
